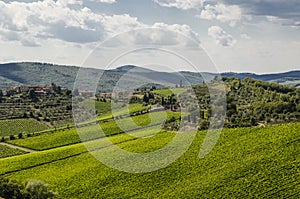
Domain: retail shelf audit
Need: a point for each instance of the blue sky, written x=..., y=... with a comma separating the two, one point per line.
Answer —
x=259, y=36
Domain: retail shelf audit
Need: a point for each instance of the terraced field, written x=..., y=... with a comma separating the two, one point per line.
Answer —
x=15, y=126
x=258, y=162
x=114, y=127
x=6, y=151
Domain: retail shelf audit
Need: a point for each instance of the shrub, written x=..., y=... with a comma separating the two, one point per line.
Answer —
x=10, y=189
x=33, y=190
x=20, y=135
x=38, y=190
x=11, y=137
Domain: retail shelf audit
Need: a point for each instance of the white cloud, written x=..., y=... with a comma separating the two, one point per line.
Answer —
x=220, y=36
x=69, y=2
x=245, y=36
x=105, y=1
x=181, y=4
x=184, y=29
x=51, y=19
x=158, y=34
x=256, y=56
x=230, y=14
x=282, y=21
x=60, y=20
x=121, y=23
x=31, y=24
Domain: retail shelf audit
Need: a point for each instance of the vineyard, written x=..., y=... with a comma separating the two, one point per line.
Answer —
x=256, y=156
x=15, y=126
x=258, y=162
x=7, y=151
x=50, y=110
x=114, y=127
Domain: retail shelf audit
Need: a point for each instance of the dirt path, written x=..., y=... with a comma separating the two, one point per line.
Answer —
x=17, y=147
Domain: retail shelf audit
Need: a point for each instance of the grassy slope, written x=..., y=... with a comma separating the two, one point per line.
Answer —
x=16, y=126
x=168, y=92
x=6, y=151
x=67, y=137
x=246, y=162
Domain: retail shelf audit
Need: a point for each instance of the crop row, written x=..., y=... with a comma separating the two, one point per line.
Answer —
x=16, y=126
x=114, y=127
x=246, y=162
x=6, y=151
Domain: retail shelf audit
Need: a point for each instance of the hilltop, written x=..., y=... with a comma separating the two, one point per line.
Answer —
x=14, y=74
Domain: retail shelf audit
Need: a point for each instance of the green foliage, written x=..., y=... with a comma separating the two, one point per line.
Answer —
x=10, y=189
x=258, y=162
x=72, y=136
x=16, y=126
x=47, y=141
x=38, y=190
x=251, y=102
x=19, y=163
x=168, y=92
x=6, y=151
x=12, y=137
x=26, y=161
x=120, y=110
x=51, y=108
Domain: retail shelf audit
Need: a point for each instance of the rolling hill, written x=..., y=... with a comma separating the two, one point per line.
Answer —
x=257, y=162
x=12, y=74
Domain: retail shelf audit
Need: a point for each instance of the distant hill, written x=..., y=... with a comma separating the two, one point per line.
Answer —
x=12, y=74
x=291, y=78
x=36, y=74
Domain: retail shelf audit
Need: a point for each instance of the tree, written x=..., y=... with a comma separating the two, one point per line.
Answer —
x=11, y=137
x=32, y=95
x=163, y=101
x=68, y=92
x=20, y=135
x=146, y=98
x=11, y=189
x=204, y=124
x=150, y=95
x=1, y=95
x=38, y=190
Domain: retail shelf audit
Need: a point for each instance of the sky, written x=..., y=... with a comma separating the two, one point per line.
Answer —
x=259, y=36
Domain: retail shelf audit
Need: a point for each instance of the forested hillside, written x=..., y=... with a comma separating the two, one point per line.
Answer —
x=252, y=102
x=13, y=74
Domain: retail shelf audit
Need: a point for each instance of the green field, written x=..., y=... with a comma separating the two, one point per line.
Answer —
x=15, y=126
x=168, y=92
x=6, y=151
x=48, y=141
x=118, y=110
x=258, y=162
x=72, y=136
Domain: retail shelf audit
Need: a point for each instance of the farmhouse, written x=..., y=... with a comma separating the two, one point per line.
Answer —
x=39, y=90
